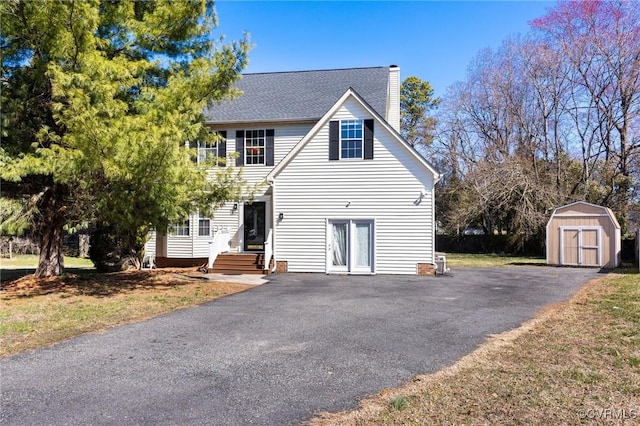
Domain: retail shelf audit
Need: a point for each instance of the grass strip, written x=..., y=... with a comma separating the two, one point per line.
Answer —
x=465, y=260
x=30, y=261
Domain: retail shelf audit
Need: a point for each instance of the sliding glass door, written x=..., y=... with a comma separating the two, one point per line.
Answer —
x=350, y=246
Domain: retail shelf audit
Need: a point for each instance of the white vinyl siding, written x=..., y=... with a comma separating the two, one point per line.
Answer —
x=227, y=218
x=150, y=245
x=286, y=136
x=393, y=104
x=311, y=190
x=180, y=246
x=197, y=246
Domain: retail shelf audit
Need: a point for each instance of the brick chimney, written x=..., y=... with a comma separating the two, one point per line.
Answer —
x=393, y=97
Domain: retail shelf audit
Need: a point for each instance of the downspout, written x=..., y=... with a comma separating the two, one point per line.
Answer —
x=436, y=179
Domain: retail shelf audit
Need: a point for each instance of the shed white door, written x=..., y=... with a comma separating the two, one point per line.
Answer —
x=350, y=245
x=580, y=246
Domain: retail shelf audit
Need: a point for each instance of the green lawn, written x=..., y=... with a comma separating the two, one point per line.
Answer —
x=491, y=260
x=26, y=264
x=30, y=261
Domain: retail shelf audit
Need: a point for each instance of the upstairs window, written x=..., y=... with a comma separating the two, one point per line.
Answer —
x=351, y=139
x=255, y=147
x=207, y=151
x=214, y=149
x=254, y=144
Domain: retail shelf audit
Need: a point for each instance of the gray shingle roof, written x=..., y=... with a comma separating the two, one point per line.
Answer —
x=299, y=95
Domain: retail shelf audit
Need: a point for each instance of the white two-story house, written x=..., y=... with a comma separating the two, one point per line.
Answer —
x=339, y=190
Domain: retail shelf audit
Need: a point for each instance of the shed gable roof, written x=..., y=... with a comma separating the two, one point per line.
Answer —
x=582, y=208
x=350, y=93
x=299, y=95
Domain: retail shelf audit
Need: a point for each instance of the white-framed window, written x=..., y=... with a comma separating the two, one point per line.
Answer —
x=254, y=144
x=180, y=228
x=351, y=139
x=204, y=227
x=207, y=151
x=214, y=149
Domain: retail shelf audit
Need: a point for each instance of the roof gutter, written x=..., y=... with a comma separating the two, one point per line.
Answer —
x=262, y=121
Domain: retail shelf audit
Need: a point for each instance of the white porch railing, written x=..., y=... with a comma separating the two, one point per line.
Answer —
x=219, y=244
x=268, y=250
x=148, y=262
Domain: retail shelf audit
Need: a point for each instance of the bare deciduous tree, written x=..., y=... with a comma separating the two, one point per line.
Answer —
x=548, y=118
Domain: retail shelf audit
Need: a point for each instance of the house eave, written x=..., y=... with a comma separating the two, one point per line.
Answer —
x=261, y=122
x=322, y=121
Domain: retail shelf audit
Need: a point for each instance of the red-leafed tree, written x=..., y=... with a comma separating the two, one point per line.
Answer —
x=547, y=118
x=601, y=41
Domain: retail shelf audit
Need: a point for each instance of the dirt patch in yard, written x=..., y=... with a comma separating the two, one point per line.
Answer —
x=91, y=283
x=39, y=311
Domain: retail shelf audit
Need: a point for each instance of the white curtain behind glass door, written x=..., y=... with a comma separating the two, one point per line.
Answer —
x=363, y=245
x=339, y=244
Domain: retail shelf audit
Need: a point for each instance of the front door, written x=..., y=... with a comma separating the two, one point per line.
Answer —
x=254, y=226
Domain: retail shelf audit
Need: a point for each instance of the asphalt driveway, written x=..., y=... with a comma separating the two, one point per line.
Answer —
x=276, y=354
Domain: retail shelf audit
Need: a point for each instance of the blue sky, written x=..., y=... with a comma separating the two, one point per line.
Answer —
x=433, y=40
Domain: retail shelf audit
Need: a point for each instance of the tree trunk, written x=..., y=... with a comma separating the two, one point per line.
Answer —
x=51, y=229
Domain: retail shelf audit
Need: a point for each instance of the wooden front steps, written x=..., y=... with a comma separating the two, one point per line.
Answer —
x=239, y=263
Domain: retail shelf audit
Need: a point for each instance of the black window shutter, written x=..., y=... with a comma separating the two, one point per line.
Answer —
x=240, y=147
x=368, y=139
x=269, y=148
x=222, y=148
x=334, y=140
x=193, y=145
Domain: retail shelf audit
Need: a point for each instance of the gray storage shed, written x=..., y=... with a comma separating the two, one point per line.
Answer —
x=583, y=234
